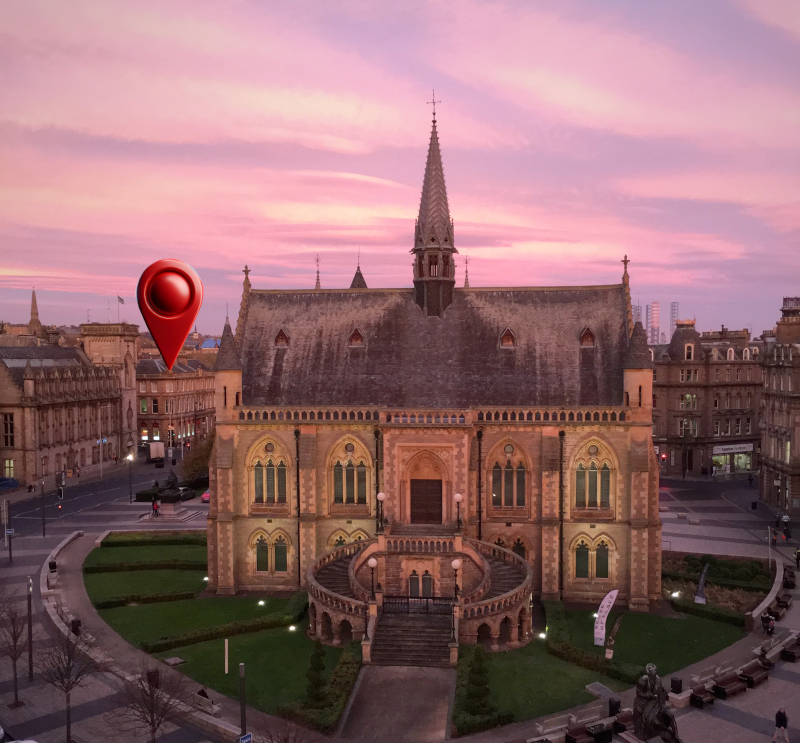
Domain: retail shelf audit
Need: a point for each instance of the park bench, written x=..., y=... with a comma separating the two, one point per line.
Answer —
x=701, y=696
x=753, y=673
x=791, y=652
x=576, y=733
x=624, y=721
x=776, y=610
x=590, y=714
x=727, y=685
x=204, y=704
x=788, y=578
x=553, y=726
x=784, y=600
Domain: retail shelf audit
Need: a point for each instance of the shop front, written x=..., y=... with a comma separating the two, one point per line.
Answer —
x=730, y=458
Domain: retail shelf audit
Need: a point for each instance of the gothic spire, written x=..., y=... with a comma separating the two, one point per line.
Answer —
x=317, y=286
x=228, y=354
x=434, y=211
x=34, y=326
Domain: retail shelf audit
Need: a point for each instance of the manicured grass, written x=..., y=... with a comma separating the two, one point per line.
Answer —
x=101, y=586
x=530, y=682
x=671, y=644
x=275, y=661
x=149, y=622
x=145, y=537
x=146, y=553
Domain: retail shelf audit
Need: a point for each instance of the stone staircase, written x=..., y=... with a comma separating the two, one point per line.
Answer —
x=334, y=576
x=505, y=577
x=412, y=640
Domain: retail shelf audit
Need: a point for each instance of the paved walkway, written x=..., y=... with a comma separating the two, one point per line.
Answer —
x=400, y=703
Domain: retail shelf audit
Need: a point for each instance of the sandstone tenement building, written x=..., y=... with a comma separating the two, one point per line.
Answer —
x=505, y=429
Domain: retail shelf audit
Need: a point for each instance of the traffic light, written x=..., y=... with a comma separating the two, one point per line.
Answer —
x=61, y=494
x=663, y=457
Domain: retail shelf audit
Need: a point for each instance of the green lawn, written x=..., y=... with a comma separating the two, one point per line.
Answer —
x=275, y=660
x=671, y=644
x=144, y=537
x=146, y=553
x=149, y=622
x=143, y=582
x=530, y=682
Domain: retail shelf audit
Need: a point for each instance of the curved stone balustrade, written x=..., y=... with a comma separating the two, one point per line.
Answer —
x=356, y=563
x=326, y=596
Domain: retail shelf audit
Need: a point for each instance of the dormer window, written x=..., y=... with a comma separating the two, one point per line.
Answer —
x=731, y=354
x=507, y=340
x=587, y=338
x=746, y=354
x=281, y=340
x=689, y=352
x=356, y=339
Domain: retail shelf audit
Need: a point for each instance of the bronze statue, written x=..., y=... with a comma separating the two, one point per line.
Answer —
x=651, y=716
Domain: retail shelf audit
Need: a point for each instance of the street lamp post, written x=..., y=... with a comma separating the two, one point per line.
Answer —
x=43, y=526
x=100, y=424
x=381, y=499
x=130, y=472
x=373, y=563
x=458, y=497
x=30, y=629
x=456, y=564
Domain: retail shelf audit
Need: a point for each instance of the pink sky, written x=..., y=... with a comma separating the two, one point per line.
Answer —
x=572, y=133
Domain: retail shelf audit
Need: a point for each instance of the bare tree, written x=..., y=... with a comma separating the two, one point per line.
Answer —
x=155, y=697
x=13, y=633
x=66, y=666
x=283, y=731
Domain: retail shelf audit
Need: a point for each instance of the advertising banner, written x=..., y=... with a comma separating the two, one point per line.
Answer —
x=700, y=596
x=602, y=615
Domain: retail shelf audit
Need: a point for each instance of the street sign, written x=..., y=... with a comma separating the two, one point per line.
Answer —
x=246, y=738
x=9, y=532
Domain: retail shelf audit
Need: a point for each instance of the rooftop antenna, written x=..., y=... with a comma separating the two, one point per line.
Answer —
x=358, y=261
x=466, y=272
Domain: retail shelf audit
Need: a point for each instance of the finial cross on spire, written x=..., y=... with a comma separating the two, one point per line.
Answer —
x=433, y=102
x=625, y=261
x=246, y=271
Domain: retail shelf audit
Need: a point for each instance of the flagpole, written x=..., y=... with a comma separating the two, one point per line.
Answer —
x=117, y=310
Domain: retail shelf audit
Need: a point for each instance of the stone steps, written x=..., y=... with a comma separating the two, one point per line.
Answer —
x=412, y=640
x=505, y=577
x=335, y=577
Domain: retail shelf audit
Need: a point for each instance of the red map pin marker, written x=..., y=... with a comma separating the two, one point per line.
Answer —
x=170, y=294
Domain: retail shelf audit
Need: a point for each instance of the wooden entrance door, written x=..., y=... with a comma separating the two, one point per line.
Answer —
x=426, y=501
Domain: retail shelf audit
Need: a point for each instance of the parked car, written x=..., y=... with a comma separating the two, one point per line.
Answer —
x=186, y=493
x=206, y=497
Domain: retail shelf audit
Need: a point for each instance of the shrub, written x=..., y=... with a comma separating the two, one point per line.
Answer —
x=146, y=540
x=123, y=567
x=153, y=598
x=325, y=717
x=478, y=699
x=315, y=691
x=471, y=697
x=718, y=613
x=759, y=584
x=230, y=629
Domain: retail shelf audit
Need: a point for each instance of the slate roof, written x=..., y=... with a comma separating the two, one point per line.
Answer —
x=228, y=355
x=434, y=210
x=409, y=360
x=358, y=282
x=157, y=366
x=15, y=359
x=637, y=354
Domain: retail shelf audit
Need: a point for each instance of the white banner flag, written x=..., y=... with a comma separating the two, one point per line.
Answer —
x=602, y=614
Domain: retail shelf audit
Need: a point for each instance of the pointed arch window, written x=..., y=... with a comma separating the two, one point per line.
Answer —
x=519, y=548
x=340, y=541
x=281, y=482
x=270, y=473
x=356, y=339
x=580, y=486
x=582, y=561
x=262, y=555
x=258, y=474
x=413, y=584
x=427, y=584
x=592, y=500
x=587, y=338
x=350, y=482
x=497, y=485
x=281, y=555
x=508, y=485
x=605, y=486
x=361, y=482
x=601, y=561
x=507, y=340
x=338, y=483
x=281, y=340
x=520, y=484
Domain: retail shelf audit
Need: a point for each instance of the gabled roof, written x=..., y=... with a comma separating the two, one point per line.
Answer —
x=41, y=358
x=358, y=281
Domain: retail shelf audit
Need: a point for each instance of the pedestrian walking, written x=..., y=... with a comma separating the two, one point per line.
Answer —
x=781, y=725
x=750, y=480
x=797, y=557
x=777, y=519
x=774, y=537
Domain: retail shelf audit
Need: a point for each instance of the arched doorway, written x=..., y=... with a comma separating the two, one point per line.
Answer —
x=345, y=632
x=426, y=475
x=485, y=635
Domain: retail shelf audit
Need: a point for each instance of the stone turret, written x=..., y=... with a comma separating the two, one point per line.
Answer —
x=228, y=377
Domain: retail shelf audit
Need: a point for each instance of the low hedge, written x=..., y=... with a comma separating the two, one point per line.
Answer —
x=337, y=691
x=560, y=645
x=718, y=613
x=465, y=722
x=292, y=612
x=747, y=585
x=155, y=540
x=133, y=598
x=146, y=495
x=124, y=567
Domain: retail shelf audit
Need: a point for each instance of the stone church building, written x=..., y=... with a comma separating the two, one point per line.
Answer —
x=451, y=451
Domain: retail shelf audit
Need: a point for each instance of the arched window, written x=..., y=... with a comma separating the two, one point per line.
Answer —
x=592, y=500
x=349, y=482
x=338, y=483
x=497, y=485
x=362, y=483
x=519, y=548
x=580, y=486
x=507, y=340
x=413, y=584
x=270, y=473
x=520, y=484
x=605, y=486
x=731, y=354
x=746, y=354
x=258, y=473
x=508, y=485
x=427, y=584
x=601, y=561
x=582, y=561
x=281, y=482
x=340, y=541
x=500, y=542
x=281, y=555
x=262, y=555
